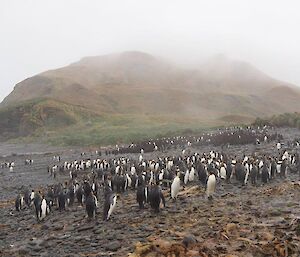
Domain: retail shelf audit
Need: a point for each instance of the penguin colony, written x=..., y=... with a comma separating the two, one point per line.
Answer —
x=227, y=136
x=105, y=179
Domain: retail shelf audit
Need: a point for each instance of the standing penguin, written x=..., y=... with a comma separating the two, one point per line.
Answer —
x=37, y=205
x=109, y=205
x=223, y=172
x=27, y=197
x=128, y=182
x=156, y=197
x=175, y=187
x=161, y=175
x=87, y=189
x=240, y=172
x=283, y=169
x=192, y=174
x=19, y=203
x=141, y=194
x=273, y=168
x=90, y=205
x=229, y=169
x=253, y=174
x=202, y=173
x=134, y=181
x=140, y=158
x=247, y=170
x=264, y=174
x=186, y=176
x=32, y=195
x=79, y=194
x=44, y=208
x=71, y=194
x=211, y=185
x=61, y=201
x=95, y=187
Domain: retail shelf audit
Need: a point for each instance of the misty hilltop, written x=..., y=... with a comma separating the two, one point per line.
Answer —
x=144, y=87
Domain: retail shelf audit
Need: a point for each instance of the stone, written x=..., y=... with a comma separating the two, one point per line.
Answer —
x=113, y=246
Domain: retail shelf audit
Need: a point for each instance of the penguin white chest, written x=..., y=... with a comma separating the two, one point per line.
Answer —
x=112, y=207
x=175, y=187
x=186, y=177
x=211, y=185
x=44, y=208
x=223, y=172
x=192, y=174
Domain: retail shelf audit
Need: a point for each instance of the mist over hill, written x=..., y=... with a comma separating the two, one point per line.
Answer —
x=147, y=89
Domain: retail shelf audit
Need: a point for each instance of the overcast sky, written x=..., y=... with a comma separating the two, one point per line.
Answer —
x=45, y=34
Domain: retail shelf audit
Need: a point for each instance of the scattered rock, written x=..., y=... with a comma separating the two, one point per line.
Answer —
x=113, y=246
x=189, y=241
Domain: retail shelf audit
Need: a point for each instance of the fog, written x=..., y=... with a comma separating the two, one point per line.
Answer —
x=41, y=35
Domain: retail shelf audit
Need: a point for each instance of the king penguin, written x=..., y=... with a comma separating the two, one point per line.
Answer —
x=156, y=197
x=109, y=205
x=175, y=187
x=141, y=193
x=19, y=203
x=192, y=174
x=90, y=205
x=43, y=208
x=186, y=176
x=211, y=185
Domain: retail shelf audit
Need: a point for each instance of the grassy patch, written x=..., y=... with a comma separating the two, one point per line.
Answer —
x=125, y=129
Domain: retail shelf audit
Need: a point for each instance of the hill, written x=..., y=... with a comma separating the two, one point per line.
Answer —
x=149, y=92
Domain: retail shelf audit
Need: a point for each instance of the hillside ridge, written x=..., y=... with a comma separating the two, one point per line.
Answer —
x=138, y=85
